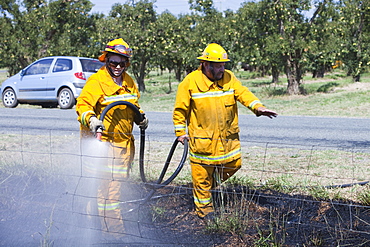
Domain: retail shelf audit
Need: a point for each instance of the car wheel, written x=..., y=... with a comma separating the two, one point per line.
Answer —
x=66, y=100
x=9, y=98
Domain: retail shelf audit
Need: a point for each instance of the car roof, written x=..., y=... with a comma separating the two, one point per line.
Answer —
x=67, y=57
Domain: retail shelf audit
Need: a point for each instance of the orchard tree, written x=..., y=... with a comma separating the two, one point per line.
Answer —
x=288, y=33
x=291, y=35
x=179, y=54
x=206, y=24
x=168, y=33
x=22, y=33
x=211, y=26
x=36, y=29
x=72, y=28
x=167, y=29
x=324, y=42
x=136, y=24
x=259, y=41
x=354, y=24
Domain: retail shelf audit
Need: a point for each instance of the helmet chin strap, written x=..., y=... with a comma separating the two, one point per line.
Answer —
x=110, y=71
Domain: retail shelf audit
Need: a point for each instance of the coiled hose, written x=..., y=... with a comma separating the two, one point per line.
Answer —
x=159, y=183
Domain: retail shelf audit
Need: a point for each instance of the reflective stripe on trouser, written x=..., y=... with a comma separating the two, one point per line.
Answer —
x=109, y=207
x=109, y=191
x=203, y=182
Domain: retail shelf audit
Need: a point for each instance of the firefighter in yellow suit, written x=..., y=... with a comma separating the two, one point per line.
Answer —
x=206, y=104
x=110, y=84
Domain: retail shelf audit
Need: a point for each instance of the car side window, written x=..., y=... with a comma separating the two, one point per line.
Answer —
x=40, y=67
x=91, y=65
x=62, y=64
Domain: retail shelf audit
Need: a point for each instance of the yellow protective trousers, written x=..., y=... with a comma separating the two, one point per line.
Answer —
x=203, y=177
x=109, y=191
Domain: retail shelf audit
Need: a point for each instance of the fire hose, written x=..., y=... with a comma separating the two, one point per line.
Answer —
x=159, y=183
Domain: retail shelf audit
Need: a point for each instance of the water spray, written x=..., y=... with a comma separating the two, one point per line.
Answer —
x=139, y=117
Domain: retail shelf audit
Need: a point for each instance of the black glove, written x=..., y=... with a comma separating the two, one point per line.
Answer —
x=144, y=124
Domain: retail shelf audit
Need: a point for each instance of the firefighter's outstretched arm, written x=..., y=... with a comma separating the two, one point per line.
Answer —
x=262, y=111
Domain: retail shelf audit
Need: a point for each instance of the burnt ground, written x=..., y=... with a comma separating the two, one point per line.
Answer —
x=269, y=218
x=41, y=215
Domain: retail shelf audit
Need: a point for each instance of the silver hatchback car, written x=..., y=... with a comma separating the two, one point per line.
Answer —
x=49, y=82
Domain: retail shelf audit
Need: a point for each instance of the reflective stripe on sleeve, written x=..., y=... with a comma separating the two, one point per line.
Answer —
x=83, y=117
x=180, y=127
x=255, y=102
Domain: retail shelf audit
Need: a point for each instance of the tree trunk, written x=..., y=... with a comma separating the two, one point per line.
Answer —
x=293, y=73
x=169, y=85
x=320, y=72
x=357, y=78
x=275, y=74
x=140, y=75
x=178, y=70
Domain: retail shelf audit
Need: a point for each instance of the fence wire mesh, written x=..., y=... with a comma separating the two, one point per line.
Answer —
x=284, y=195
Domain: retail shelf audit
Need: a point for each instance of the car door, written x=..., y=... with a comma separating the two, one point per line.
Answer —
x=61, y=73
x=33, y=81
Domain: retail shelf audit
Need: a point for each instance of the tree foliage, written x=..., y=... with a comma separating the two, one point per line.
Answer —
x=40, y=28
x=270, y=37
x=355, y=35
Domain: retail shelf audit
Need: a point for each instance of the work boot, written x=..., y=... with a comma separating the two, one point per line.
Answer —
x=210, y=217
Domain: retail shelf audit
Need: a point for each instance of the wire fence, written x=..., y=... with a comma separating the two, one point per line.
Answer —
x=284, y=195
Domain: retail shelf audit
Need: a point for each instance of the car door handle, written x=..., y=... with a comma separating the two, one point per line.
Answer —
x=42, y=78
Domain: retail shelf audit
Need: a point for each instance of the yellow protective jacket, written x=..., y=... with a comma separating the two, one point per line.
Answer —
x=209, y=109
x=98, y=92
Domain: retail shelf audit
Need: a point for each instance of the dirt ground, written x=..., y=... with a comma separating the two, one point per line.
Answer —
x=41, y=215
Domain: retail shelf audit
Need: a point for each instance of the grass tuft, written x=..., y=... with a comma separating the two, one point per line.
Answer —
x=364, y=196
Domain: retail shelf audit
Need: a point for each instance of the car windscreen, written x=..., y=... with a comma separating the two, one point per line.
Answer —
x=90, y=65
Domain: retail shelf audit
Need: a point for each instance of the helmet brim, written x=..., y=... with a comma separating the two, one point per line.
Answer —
x=213, y=60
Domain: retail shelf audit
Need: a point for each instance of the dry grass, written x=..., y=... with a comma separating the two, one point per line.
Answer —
x=260, y=205
x=288, y=169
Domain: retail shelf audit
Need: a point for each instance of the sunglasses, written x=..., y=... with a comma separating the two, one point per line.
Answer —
x=114, y=64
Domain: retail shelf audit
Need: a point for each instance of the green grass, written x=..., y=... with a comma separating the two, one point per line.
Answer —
x=364, y=196
x=3, y=75
x=335, y=95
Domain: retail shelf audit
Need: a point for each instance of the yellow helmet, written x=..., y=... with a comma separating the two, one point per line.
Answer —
x=214, y=53
x=118, y=46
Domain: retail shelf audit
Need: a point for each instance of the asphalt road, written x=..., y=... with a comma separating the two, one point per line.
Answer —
x=298, y=131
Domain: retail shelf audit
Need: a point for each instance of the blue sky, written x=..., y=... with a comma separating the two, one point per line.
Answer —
x=174, y=6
